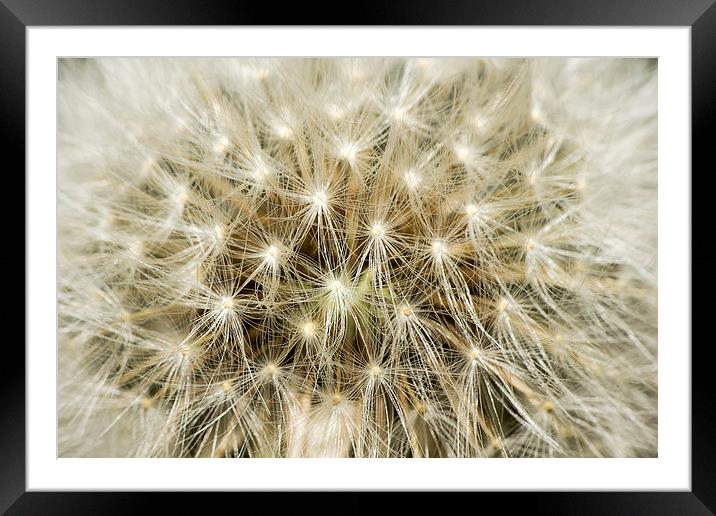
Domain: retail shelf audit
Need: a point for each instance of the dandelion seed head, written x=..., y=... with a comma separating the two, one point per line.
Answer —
x=357, y=257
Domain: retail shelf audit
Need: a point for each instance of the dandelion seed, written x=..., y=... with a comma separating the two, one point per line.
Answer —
x=502, y=305
x=270, y=370
x=283, y=131
x=219, y=232
x=412, y=179
x=335, y=112
x=398, y=114
x=308, y=329
x=377, y=230
x=220, y=145
x=375, y=371
x=439, y=249
x=319, y=198
x=471, y=210
x=181, y=197
x=462, y=153
x=337, y=287
x=271, y=255
x=348, y=152
x=227, y=304
x=405, y=311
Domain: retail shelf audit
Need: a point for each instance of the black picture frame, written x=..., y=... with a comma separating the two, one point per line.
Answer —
x=700, y=15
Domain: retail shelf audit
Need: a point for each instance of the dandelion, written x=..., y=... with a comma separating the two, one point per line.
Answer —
x=357, y=258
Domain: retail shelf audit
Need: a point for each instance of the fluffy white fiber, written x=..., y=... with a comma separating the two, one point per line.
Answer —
x=357, y=258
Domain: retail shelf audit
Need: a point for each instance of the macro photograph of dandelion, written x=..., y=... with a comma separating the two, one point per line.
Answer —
x=357, y=257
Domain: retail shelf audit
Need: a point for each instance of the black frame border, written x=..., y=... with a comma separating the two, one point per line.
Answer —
x=700, y=15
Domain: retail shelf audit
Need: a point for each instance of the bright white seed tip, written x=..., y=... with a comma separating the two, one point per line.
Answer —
x=319, y=198
x=348, y=152
x=219, y=232
x=335, y=112
x=336, y=286
x=226, y=386
x=260, y=173
x=439, y=249
x=503, y=304
x=375, y=371
x=474, y=354
x=182, y=197
x=412, y=179
x=471, y=210
x=377, y=230
x=405, y=310
x=537, y=113
x=398, y=114
x=269, y=372
x=462, y=152
x=309, y=329
x=136, y=249
x=271, y=254
x=227, y=303
x=221, y=144
x=283, y=131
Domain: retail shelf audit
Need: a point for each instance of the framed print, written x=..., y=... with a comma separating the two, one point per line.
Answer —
x=383, y=256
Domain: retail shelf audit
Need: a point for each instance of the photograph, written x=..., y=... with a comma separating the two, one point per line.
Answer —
x=357, y=257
